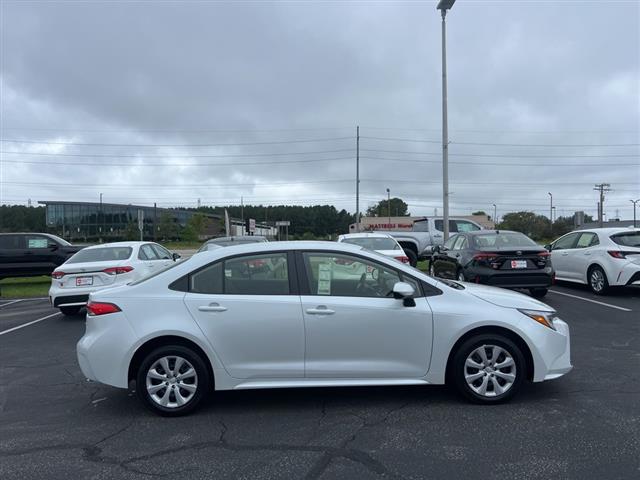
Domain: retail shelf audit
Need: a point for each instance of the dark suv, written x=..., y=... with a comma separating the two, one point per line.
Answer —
x=32, y=254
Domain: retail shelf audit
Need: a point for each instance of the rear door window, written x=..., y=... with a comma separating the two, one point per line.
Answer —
x=162, y=253
x=257, y=275
x=147, y=253
x=12, y=242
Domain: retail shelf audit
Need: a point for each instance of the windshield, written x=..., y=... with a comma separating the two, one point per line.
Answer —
x=498, y=240
x=627, y=239
x=374, y=243
x=103, y=254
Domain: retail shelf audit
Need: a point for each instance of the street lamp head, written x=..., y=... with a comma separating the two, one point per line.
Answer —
x=445, y=4
x=388, y=190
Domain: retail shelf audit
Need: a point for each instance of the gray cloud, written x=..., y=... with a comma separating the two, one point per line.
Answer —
x=216, y=73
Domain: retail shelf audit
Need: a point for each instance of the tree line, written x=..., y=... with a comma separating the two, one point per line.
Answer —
x=307, y=222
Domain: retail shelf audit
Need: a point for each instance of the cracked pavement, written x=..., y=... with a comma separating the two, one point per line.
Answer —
x=586, y=425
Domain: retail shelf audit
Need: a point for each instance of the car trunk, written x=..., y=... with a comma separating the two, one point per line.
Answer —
x=511, y=259
x=89, y=274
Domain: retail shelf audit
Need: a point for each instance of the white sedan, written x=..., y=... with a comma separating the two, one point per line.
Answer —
x=273, y=315
x=102, y=266
x=599, y=257
x=382, y=243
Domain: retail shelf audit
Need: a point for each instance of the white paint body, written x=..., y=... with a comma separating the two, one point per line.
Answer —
x=67, y=286
x=394, y=253
x=273, y=341
x=573, y=264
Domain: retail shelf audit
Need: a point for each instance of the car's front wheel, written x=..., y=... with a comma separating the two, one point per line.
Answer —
x=412, y=256
x=488, y=369
x=172, y=380
x=70, y=310
x=538, y=292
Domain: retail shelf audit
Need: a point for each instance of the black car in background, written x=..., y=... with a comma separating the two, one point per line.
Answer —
x=499, y=258
x=32, y=254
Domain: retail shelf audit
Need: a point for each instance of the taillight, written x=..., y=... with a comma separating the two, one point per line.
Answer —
x=485, y=256
x=403, y=259
x=543, y=254
x=95, y=309
x=58, y=275
x=616, y=253
x=117, y=270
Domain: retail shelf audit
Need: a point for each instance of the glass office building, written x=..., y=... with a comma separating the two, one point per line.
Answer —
x=90, y=221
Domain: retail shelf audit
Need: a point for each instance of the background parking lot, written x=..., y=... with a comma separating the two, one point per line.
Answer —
x=584, y=425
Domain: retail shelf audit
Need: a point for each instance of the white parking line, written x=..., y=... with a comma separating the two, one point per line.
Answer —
x=11, y=302
x=592, y=301
x=29, y=323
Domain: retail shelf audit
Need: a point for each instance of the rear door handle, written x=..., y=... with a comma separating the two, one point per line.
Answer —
x=212, y=307
x=320, y=311
x=564, y=254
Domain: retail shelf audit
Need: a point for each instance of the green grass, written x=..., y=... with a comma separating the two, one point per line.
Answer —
x=27, y=287
x=423, y=265
x=182, y=245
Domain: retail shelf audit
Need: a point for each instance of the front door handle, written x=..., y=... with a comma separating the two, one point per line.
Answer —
x=212, y=307
x=587, y=253
x=321, y=310
x=564, y=254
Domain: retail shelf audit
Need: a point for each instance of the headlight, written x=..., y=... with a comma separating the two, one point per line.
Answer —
x=545, y=318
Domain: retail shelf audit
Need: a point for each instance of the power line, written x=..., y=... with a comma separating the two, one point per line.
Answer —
x=413, y=140
x=92, y=155
x=405, y=152
x=332, y=139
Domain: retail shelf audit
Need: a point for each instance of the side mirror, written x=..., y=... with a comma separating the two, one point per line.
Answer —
x=404, y=291
x=175, y=256
x=548, y=247
x=53, y=246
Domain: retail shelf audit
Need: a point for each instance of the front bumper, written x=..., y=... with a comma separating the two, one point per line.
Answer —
x=552, y=358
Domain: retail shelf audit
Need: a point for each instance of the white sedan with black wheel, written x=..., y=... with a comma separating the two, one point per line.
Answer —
x=216, y=322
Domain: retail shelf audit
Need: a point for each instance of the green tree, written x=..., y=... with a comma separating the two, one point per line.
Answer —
x=166, y=227
x=479, y=212
x=396, y=207
x=195, y=227
x=131, y=231
x=529, y=223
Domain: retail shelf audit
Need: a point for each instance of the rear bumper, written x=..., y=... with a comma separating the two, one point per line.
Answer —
x=70, y=300
x=509, y=278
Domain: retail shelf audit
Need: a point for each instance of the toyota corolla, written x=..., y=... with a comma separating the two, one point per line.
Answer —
x=216, y=322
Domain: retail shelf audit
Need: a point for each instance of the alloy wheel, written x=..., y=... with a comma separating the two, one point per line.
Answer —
x=490, y=370
x=597, y=280
x=171, y=381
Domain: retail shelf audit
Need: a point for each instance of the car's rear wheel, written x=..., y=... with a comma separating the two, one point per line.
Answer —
x=70, y=310
x=538, y=292
x=172, y=380
x=488, y=369
x=598, y=280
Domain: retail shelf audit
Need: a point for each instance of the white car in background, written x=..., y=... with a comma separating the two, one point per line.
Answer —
x=102, y=266
x=214, y=322
x=382, y=243
x=598, y=257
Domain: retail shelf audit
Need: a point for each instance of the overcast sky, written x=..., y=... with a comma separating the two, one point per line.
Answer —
x=169, y=102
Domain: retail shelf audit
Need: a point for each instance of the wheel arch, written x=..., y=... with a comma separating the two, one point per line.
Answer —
x=591, y=266
x=164, y=340
x=496, y=330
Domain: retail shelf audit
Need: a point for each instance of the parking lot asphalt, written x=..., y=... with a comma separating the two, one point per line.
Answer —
x=54, y=424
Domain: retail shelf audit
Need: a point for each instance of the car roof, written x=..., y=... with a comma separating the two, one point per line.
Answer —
x=484, y=232
x=257, y=238
x=279, y=246
x=609, y=230
x=118, y=244
x=366, y=235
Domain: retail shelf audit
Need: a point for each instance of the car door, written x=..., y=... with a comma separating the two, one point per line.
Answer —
x=560, y=251
x=455, y=257
x=581, y=257
x=442, y=260
x=354, y=327
x=164, y=256
x=149, y=261
x=13, y=257
x=249, y=309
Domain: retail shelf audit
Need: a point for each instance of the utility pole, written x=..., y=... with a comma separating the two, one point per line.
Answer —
x=389, y=207
x=550, y=213
x=445, y=129
x=358, y=178
x=602, y=188
x=242, y=209
x=634, y=211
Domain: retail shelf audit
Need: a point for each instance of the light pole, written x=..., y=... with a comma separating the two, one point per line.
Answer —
x=495, y=216
x=550, y=213
x=389, y=207
x=634, y=211
x=443, y=6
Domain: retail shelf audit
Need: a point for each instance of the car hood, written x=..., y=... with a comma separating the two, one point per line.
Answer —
x=505, y=298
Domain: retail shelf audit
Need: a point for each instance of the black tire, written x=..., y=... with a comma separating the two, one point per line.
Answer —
x=413, y=257
x=70, y=310
x=457, y=372
x=432, y=270
x=203, y=380
x=599, y=288
x=538, y=292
